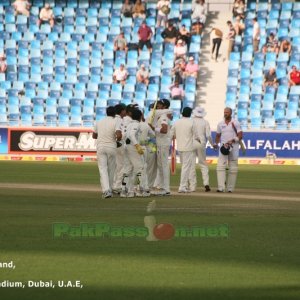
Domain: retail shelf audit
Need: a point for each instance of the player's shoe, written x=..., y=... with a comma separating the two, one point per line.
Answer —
x=146, y=194
x=106, y=195
x=219, y=191
x=207, y=188
x=183, y=191
x=130, y=195
x=123, y=194
x=117, y=191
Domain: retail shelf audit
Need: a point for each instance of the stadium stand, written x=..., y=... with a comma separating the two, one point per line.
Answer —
x=254, y=106
x=66, y=71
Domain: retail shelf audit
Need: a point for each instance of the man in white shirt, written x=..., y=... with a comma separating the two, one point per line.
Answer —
x=46, y=15
x=120, y=75
x=229, y=133
x=106, y=133
x=163, y=7
x=133, y=156
x=256, y=35
x=120, y=114
x=199, y=11
x=163, y=141
x=203, y=130
x=184, y=132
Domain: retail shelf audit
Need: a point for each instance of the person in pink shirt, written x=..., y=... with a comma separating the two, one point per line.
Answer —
x=177, y=92
x=191, y=68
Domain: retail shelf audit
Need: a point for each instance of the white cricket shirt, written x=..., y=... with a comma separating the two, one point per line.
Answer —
x=106, y=130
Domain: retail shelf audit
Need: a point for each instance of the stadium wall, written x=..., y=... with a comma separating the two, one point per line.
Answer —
x=79, y=142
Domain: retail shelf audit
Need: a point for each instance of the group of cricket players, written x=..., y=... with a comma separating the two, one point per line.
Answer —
x=133, y=152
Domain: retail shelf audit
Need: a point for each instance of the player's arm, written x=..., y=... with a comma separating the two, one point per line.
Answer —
x=118, y=135
x=95, y=135
x=208, y=133
x=217, y=140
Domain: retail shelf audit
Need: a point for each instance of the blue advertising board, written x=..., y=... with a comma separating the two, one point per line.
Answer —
x=257, y=144
x=3, y=141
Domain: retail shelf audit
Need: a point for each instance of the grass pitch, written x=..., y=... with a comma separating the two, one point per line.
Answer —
x=259, y=259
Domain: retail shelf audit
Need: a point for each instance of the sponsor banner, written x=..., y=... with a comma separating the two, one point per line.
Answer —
x=265, y=144
x=51, y=141
x=3, y=140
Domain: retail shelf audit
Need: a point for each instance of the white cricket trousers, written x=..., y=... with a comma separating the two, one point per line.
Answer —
x=151, y=167
x=187, y=158
x=119, y=168
x=133, y=166
x=201, y=154
x=163, y=167
x=106, y=164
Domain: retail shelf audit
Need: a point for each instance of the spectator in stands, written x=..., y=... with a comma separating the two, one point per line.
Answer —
x=216, y=37
x=180, y=50
x=199, y=11
x=230, y=38
x=22, y=7
x=120, y=75
x=163, y=7
x=142, y=75
x=286, y=46
x=170, y=33
x=120, y=43
x=139, y=10
x=3, y=65
x=177, y=92
x=191, y=68
x=238, y=9
x=178, y=70
x=271, y=79
x=145, y=34
x=239, y=27
x=197, y=28
x=256, y=35
x=46, y=16
x=294, y=76
x=184, y=35
x=127, y=9
x=271, y=45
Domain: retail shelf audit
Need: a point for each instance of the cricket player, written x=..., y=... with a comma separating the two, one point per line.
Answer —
x=229, y=133
x=185, y=132
x=106, y=132
x=133, y=159
x=120, y=110
x=204, y=133
x=163, y=141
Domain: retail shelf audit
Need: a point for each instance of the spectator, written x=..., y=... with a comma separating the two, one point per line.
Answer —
x=256, y=35
x=199, y=11
x=22, y=7
x=163, y=7
x=3, y=65
x=120, y=75
x=139, y=10
x=180, y=50
x=120, y=43
x=271, y=45
x=177, y=92
x=170, y=33
x=184, y=34
x=178, y=71
x=231, y=38
x=294, y=76
x=197, y=28
x=127, y=9
x=239, y=27
x=142, y=75
x=46, y=16
x=145, y=34
x=191, y=68
x=216, y=37
x=271, y=79
x=286, y=46
x=238, y=9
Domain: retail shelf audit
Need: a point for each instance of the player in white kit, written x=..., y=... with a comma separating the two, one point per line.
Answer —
x=117, y=185
x=185, y=132
x=203, y=129
x=107, y=133
x=133, y=160
x=229, y=133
